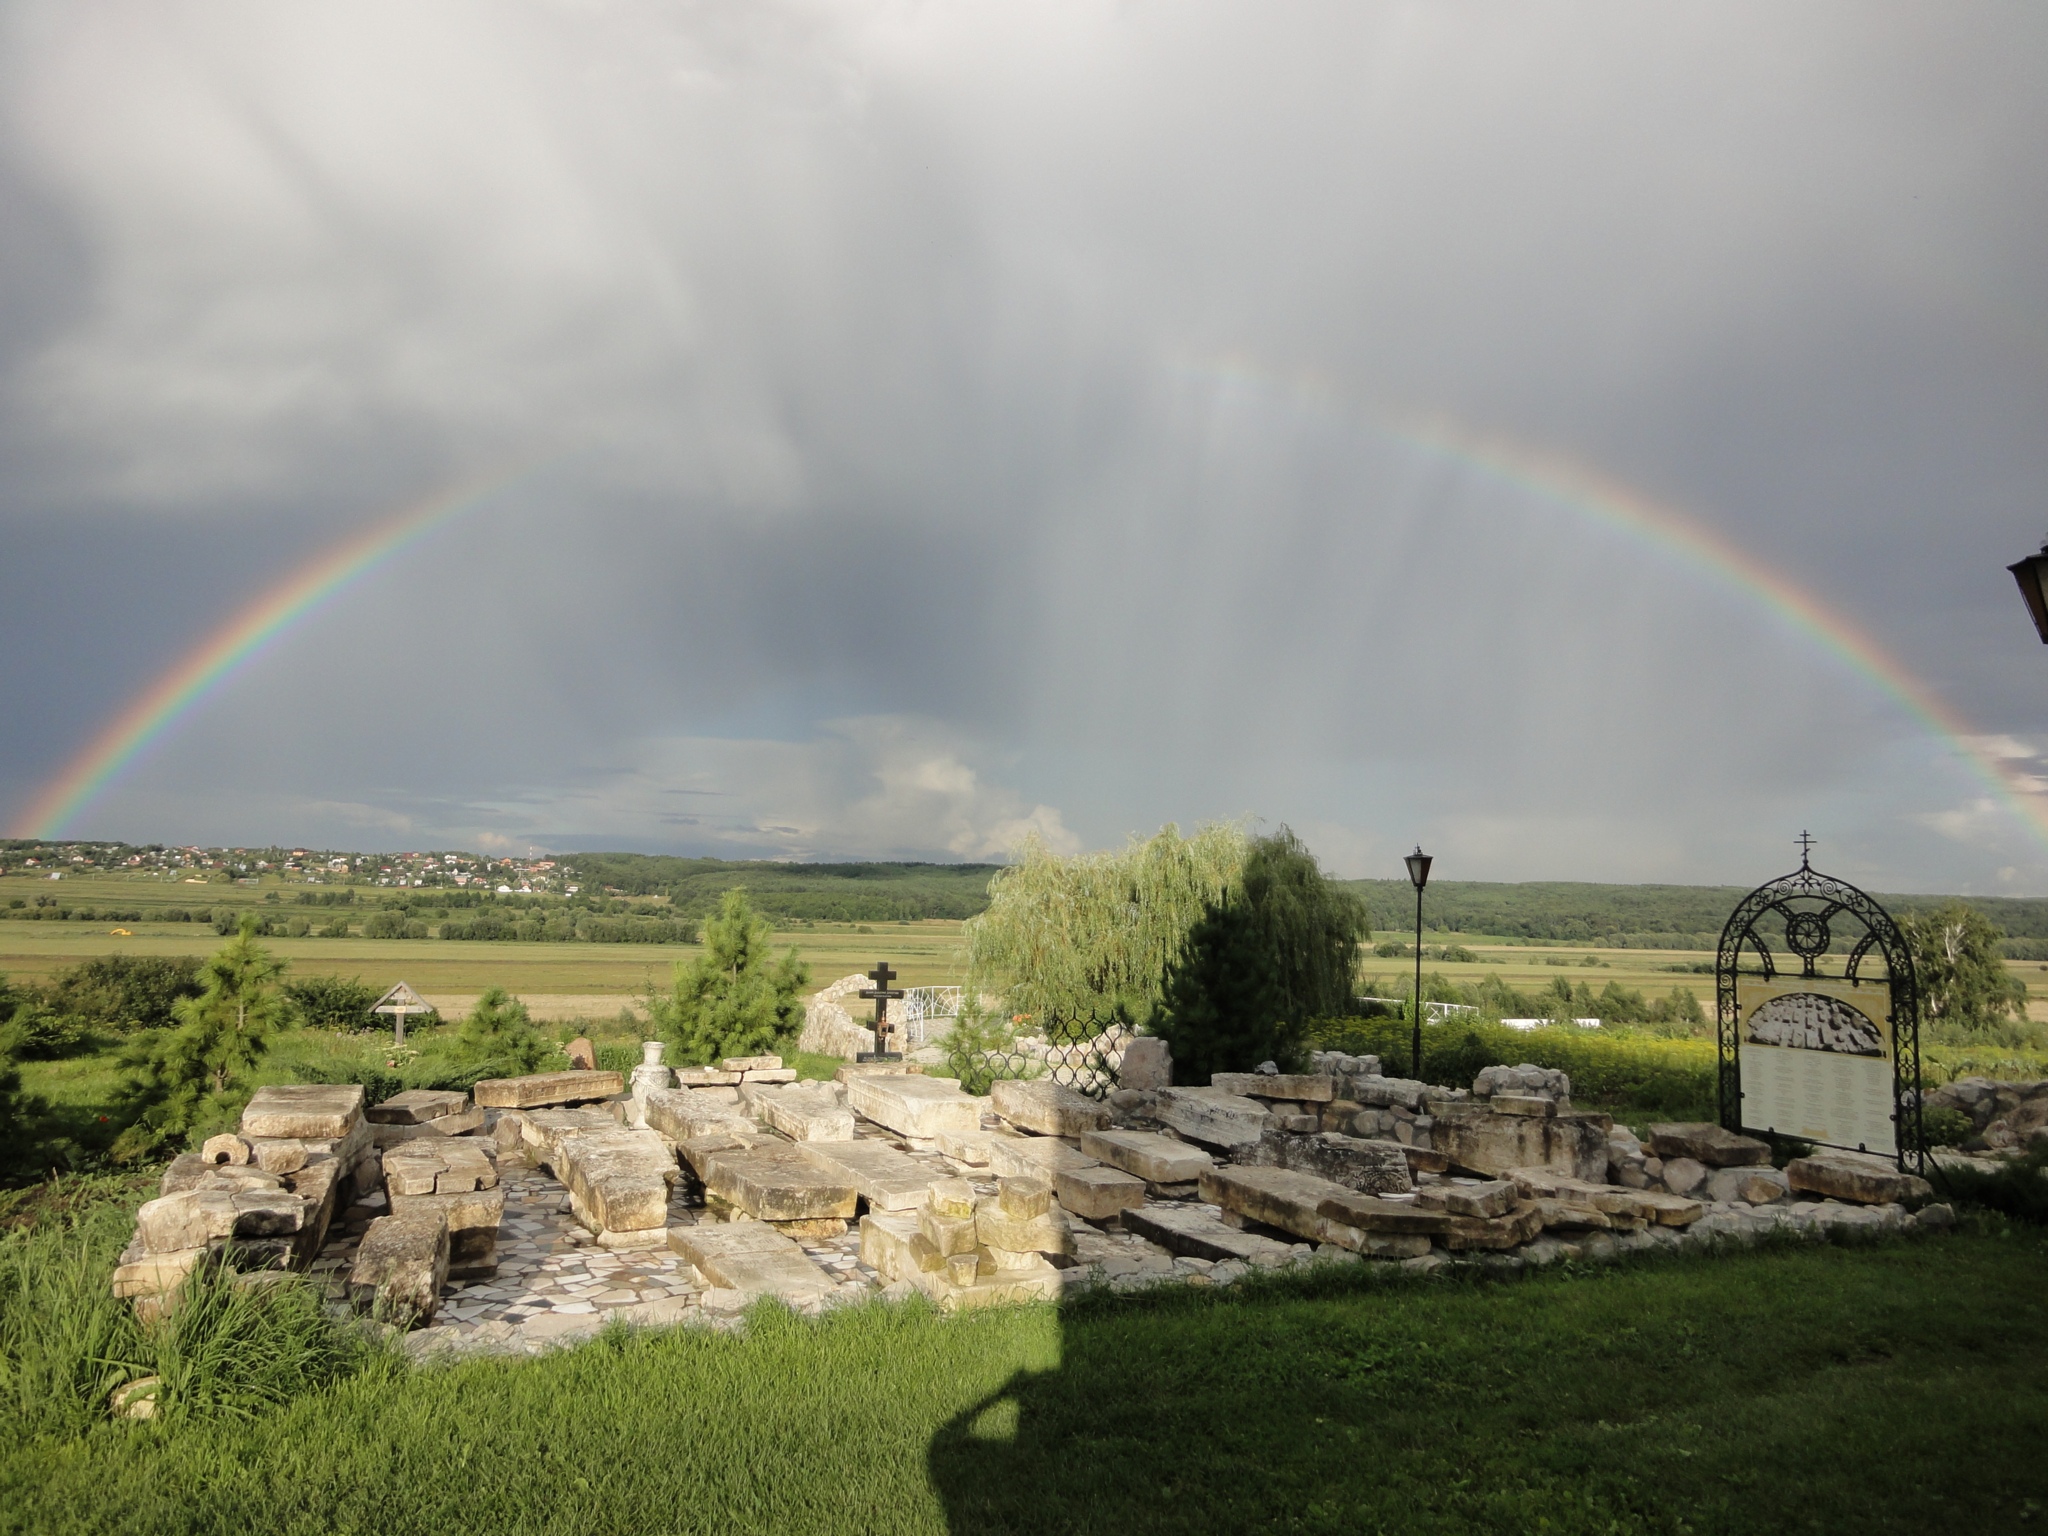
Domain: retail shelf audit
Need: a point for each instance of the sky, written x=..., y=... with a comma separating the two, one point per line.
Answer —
x=1584, y=439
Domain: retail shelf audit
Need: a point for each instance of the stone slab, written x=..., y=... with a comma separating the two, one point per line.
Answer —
x=437, y=1165
x=1374, y=1167
x=1046, y=1108
x=920, y=1107
x=1369, y=1213
x=1704, y=1142
x=1211, y=1116
x=1034, y=1157
x=384, y=1134
x=887, y=1179
x=1858, y=1180
x=1491, y=1197
x=1191, y=1232
x=305, y=1111
x=806, y=1112
x=752, y=1258
x=618, y=1179
x=745, y=1064
x=1494, y=1233
x=684, y=1114
x=1147, y=1063
x=1478, y=1140
x=705, y=1077
x=417, y=1106
x=1277, y=1197
x=1148, y=1155
x=1301, y=1087
x=969, y=1147
x=778, y=1182
x=1098, y=1193
x=473, y=1219
x=769, y=1075
x=400, y=1267
x=545, y=1088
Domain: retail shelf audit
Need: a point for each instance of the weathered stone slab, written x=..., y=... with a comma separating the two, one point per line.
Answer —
x=142, y=1273
x=1476, y=1139
x=544, y=1130
x=1752, y=1186
x=1098, y=1194
x=1278, y=1197
x=417, y=1106
x=683, y=1114
x=1858, y=1180
x=752, y=1258
x=705, y=1077
x=1376, y=1167
x=697, y=1152
x=806, y=1112
x=1148, y=1155
x=1211, y=1116
x=887, y=1179
x=1034, y=1157
x=304, y=1111
x=400, y=1268
x=892, y=1245
x=769, y=1075
x=1147, y=1063
x=1047, y=1232
x=921, y=1107
x=472, y=1217
x=1669, y=1210
x=1548, y=1184
x=775, y=1182
x=543, y=1088
x=1533, y=1105
x=618, y=1179
x=1369, y=1213
x=1191, y=1232
x=745, y=1064
x=1713, y=1145
x=1493, y=1233
x=1302, y=1087
x=1495, y=1197
x=969, y=1147
x=459, y=1124
x=1045, y=1107
x=440, y=1166
x=197, y=1217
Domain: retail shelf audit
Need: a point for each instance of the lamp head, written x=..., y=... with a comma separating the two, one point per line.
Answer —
x=1418, y=867
x=2032, y=575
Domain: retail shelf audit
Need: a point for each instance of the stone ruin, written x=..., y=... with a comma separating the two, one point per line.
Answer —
x=534, y=1209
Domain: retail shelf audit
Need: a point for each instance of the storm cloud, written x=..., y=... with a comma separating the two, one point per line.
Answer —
x=915, y=426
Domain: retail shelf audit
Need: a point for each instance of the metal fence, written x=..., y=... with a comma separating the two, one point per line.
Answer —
x=1083, y=1052
x=923, y=1006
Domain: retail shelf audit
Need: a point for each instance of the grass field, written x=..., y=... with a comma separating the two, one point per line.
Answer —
x=1894, y=1388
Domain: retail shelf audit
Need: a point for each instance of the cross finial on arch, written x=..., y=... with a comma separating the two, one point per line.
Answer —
x=1805, y=850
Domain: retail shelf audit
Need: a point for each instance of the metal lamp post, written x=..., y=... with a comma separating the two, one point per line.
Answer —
x=2032, y=575
x=1418, y=871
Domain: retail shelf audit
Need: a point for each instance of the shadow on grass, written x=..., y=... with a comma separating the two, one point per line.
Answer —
x=1799, y=1388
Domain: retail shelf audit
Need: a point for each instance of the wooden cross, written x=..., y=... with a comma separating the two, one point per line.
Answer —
x=882, y=993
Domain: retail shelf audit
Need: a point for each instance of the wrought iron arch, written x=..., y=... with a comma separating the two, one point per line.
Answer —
x=1811, y=903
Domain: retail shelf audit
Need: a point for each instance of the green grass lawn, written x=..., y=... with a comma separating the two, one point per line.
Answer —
x=1894, y=1388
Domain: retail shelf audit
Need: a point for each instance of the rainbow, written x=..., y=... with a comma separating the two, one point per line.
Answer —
x=1605, y=500
x=204, y=669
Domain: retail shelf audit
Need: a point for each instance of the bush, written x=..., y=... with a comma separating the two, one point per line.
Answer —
x=2018, y=1189
x=126, y=992
x=40, y=1033
x=330, y=1002
x=1945, y=1127
x=384, y=924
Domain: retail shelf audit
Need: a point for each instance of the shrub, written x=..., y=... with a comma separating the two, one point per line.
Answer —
x=384, y=924
x=39, y=1033
x=1945, y=1127
x=499, y=1039
x=2018, y=1189
x=126, y=992
x=330, y=1002
x=979, y=1050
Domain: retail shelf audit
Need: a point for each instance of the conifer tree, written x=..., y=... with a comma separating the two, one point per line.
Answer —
x=735, y=999
x=499, y=1035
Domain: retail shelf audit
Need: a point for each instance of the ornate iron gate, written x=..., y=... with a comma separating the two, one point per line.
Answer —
x=1073, y=1050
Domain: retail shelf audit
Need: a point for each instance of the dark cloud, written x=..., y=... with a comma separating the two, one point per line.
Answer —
x=961, y=421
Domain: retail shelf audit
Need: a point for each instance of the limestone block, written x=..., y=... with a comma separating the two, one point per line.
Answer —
x=890, y=1245
x=1683, y=1175
x=921, y=1107
x=683, y=1114
x=949, y=1235
x=1189, y=1231
x=1494, y=1197
x=887, y=1179
x=1045, y=1107
x=318, y=1187
x=1148, y=1155
x=774, y=1182
x=183, y=1172
x=1098, y=1194
x=582, y=1054
x=417, y=1106
x=348, y=1150
x=1023, y=1196
x=1669, y=1210
x=279, y=1155
x=697, y=1152
x=1034, y=1157
x=1493, y=1233
x=745, y=1064
x=1713, y=1145
x=1857, y=1179
x=1547, y=1184
x=1369, y=1213
x=459, y=1124
x=1376, y=1092
x=1376, y=1167
x=142, y=1273
x=1482, y=1142
x=969, y=1147
x=705, y=1077
x=951, y=1197
x=544, y=1088
x=400, y=1268
x=1277, y=1197
x=1534, y=1105
x=752, y=1258
x=1563, y=1216
x=305, y=1111
x=618, y=1179
x=1032, y=1279
x=198, y=1217
x=1147, y=1063
x=1047, y=1232
x=1304, y=1087
x=769, y=1075
x=437, y=1165
x=472, y=1218
x=226, y=1148
x=1752, y=1186
x=1212, y=1117
x=546, y=1129
x=807, y=1112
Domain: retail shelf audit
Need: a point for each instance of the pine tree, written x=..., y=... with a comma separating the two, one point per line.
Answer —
x=735, y=999
x=499, y=1035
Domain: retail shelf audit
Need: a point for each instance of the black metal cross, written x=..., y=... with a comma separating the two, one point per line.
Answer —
x=1805, y=848
x=882, y=993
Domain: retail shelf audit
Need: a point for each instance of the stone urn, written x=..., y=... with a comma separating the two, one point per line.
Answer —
x=647, y=1077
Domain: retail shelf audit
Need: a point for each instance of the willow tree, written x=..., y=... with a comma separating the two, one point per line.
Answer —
x=1097, y=932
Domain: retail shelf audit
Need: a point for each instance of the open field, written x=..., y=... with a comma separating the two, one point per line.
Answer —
x=1895, y=1388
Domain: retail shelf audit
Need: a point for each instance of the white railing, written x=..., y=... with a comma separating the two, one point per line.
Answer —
x=1435, y=1013
x=924, y=1005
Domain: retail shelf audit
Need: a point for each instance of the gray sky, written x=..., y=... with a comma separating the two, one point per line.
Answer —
x=919, y=425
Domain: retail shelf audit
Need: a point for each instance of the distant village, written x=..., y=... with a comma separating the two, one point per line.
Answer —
x=303, y=866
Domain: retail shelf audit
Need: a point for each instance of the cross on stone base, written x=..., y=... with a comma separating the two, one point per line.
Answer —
x=882, y=994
